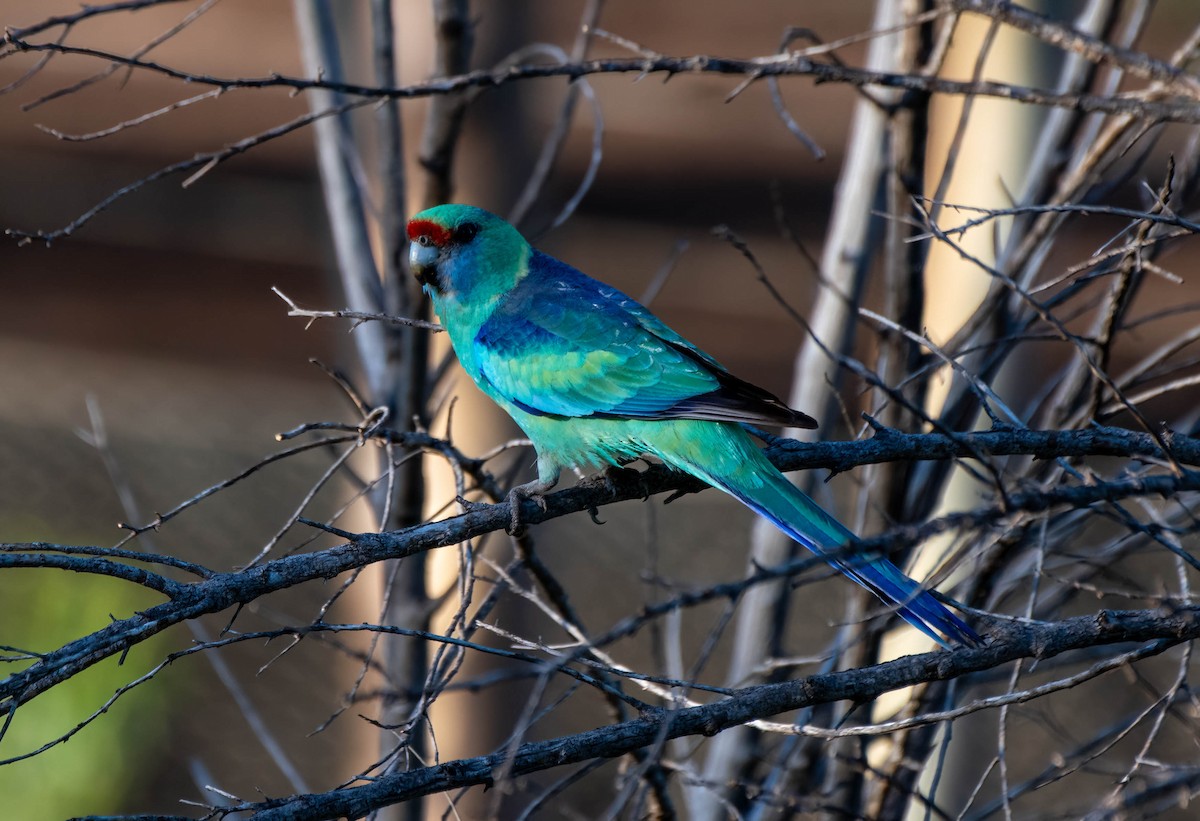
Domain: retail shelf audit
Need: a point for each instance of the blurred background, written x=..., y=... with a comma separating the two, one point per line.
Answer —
x=160, y=310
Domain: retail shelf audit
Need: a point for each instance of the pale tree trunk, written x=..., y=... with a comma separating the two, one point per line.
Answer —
x=843, y=263
x=367, y=206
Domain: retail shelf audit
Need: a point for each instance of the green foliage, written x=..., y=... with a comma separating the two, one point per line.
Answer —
x=95, y=770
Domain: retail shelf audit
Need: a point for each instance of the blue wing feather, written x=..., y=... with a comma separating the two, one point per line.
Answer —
x=560, y=343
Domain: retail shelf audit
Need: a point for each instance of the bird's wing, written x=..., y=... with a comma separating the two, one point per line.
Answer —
x=563, y=344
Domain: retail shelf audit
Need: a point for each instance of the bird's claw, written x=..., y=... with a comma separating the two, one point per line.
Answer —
x=535, y=492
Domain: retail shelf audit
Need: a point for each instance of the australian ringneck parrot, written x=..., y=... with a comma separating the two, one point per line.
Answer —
x=595, y=379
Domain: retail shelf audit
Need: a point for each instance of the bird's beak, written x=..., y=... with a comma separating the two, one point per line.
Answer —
x=422, y=261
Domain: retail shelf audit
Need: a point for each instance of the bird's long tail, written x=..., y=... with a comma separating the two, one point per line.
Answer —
x=759, y=485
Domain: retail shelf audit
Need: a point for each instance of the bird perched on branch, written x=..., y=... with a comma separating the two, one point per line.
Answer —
x=595, y=379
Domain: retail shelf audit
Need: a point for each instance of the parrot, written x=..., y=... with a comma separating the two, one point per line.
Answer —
x=594, y=379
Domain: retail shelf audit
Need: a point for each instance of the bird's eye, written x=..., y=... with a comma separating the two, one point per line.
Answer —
x=466, y=232
x=424, y=239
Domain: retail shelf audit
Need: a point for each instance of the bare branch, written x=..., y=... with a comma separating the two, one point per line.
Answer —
x=860, y=685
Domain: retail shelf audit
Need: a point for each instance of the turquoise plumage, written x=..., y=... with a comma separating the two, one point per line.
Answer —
x=595, y=379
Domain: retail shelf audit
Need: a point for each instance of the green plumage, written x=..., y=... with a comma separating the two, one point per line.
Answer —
x=595, y=379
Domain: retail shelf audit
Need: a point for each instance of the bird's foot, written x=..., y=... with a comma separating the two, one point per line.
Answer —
x=535, y=492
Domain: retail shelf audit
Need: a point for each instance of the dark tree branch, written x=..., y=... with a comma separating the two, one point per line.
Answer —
x=1183, y=110
x=223, y=590
x=1034, y=641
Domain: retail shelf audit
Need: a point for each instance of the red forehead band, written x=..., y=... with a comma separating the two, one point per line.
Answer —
x=439, y=235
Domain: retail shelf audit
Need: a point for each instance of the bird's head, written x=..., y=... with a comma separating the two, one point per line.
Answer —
x=464, y=253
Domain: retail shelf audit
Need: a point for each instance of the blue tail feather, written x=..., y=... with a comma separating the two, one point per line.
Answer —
x=767, y=492
x=914, y=604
